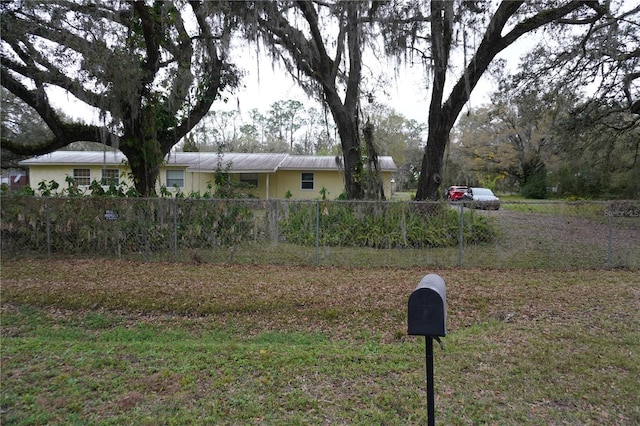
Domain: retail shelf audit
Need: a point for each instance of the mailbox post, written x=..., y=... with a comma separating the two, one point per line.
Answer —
x=427, y=316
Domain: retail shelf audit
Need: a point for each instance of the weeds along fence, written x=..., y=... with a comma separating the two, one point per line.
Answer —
x=330, y=233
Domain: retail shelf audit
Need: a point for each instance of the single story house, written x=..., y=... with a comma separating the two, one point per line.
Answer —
x=271, y=175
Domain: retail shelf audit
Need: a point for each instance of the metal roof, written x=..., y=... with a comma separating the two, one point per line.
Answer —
x=76, y=157
x=327, y=162
x=207, y=161
x=309, y=162
x=236, y=162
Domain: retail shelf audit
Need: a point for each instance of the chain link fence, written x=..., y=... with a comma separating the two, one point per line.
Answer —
x=329, y=233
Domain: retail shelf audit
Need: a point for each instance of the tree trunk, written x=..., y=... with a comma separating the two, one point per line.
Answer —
x=311, y=58
x=442, y=116
x=350, y=142
x=441, y=33
x=145, y=177
x=345, y=114
x=430, y=177
x=144, y=158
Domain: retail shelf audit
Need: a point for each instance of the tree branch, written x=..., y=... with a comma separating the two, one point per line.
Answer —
x=150, y=32
x=212, y=81
x=493, y=43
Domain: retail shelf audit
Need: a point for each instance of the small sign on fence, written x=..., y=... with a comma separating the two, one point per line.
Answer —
x=111, y=215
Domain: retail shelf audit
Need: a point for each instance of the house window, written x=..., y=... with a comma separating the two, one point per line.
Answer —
x=251, y=179
x=82, y=177
x=175, y=178
x=110, y=177
x=307, y=181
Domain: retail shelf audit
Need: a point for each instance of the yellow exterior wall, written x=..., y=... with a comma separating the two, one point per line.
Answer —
x=291, y=180
x=197, y=182
x=388, y=186
x=59, y=174
x=48, y=173
x=277, y=184
x=332, y=180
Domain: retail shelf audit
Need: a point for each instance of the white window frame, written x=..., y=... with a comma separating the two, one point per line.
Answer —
x=307, y=178
x=172, y=180
x=108, y=180
x=79, y=178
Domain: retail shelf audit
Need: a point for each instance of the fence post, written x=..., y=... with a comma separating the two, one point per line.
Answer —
x=317, y=232
x=48, y=227
x=403, y=224
x=610, y=242
x=274, y=206
x=461, y=235
x=175, y=228
x=117, y=238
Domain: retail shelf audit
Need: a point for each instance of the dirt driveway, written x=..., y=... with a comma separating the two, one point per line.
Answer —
x=615, y=240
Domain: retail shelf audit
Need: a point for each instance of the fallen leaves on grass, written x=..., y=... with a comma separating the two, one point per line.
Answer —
x=344, y=303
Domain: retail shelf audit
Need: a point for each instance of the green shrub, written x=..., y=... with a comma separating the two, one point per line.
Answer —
x=382, y=225
x=101, y=225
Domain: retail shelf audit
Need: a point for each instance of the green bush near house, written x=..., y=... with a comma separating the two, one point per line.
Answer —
x=101, y=225
x=383, y=225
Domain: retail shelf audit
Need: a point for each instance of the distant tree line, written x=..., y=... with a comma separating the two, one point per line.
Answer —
x=542, y=145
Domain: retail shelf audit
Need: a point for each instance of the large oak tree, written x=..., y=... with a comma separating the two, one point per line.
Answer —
x=497, y=29
x=153, y=70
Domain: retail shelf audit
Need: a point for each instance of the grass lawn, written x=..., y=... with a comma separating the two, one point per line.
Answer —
x=102, y=342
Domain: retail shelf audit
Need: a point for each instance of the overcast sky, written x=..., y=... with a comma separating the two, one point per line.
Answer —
x=406, y=92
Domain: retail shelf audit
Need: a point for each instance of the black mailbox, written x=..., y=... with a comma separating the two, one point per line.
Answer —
x=427, y=313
